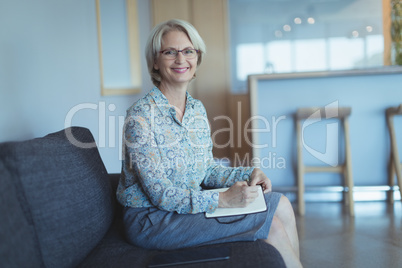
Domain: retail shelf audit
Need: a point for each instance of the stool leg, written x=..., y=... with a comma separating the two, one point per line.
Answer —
x=345, y=193
x=300, y=171
x=348, y=167
x=394, y=151
x=300, y=193
x=391, y=175
x=399, y=177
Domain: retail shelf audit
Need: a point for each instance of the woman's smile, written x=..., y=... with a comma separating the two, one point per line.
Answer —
x=180, y=70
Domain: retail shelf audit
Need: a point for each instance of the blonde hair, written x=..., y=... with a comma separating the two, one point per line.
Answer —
x=154, y=44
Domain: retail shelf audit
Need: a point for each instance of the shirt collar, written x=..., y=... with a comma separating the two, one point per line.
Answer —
x=163, y=104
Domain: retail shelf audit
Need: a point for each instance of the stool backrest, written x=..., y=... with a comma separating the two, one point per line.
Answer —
x=322, y=113
x=394, y=110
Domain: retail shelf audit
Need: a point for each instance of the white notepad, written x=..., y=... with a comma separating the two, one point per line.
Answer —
x=258, y=205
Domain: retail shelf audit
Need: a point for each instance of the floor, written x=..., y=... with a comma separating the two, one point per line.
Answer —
x=331, y=238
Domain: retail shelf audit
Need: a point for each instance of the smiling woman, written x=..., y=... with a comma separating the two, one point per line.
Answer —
x=169, y=162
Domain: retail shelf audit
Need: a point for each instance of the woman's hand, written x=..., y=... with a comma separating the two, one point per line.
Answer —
x=259, y=178
x=237, y=196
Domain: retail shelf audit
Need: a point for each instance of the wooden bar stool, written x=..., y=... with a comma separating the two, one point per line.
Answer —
x=395, y=165
x=324, y=113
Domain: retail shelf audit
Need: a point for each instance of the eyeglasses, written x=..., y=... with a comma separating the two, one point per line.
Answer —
x=188, y=53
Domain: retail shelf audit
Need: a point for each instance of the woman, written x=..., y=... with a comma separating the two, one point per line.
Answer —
x=168, y=160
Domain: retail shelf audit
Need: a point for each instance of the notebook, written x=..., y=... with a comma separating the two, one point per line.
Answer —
x=258, y=205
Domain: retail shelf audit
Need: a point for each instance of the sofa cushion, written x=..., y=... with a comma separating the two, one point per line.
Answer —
x=67, y=191
x=19, y=245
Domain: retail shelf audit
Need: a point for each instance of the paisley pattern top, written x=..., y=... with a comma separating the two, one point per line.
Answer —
x=167, y=163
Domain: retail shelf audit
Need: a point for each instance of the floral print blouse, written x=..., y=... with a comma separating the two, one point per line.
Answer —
x=167, y=163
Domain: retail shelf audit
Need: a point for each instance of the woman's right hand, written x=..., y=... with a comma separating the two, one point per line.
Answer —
x=238, y=196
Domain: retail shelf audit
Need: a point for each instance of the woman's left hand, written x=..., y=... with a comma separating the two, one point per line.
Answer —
x=259, y=178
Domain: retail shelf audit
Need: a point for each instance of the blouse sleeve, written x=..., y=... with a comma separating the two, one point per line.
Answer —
x=145, y=160
x=219, y=176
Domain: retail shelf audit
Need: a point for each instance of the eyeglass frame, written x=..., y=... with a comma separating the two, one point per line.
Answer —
x=181, y=51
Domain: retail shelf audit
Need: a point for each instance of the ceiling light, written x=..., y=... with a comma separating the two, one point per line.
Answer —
x=278, y=34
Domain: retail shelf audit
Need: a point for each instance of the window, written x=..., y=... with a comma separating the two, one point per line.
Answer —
x=284, y=36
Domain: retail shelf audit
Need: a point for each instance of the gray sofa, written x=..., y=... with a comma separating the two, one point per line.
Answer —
x=58, y=209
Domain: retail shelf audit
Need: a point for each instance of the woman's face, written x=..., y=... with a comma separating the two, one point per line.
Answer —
x=179, y=70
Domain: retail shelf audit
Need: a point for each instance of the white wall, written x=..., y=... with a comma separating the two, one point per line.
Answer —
x=49, y=65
